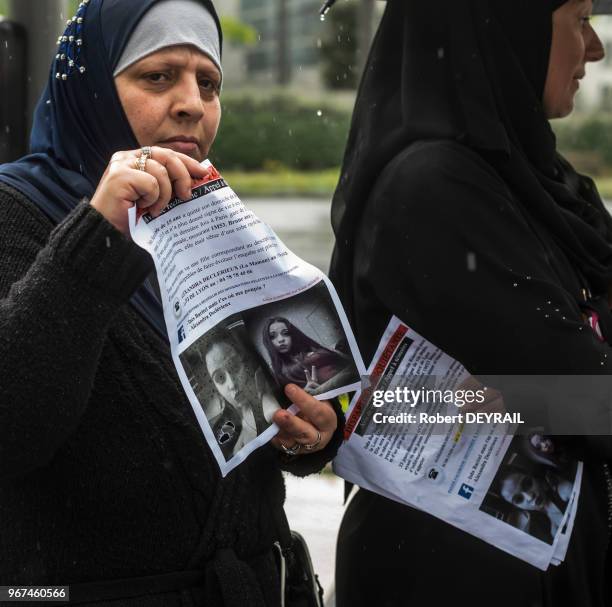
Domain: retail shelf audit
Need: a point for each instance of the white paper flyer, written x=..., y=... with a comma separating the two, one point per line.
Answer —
x=245, y=316
x=417, y=435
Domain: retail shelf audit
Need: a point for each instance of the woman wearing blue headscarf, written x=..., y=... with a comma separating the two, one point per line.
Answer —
x=106, y=482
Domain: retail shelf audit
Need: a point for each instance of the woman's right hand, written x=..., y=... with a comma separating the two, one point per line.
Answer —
x=123, y=185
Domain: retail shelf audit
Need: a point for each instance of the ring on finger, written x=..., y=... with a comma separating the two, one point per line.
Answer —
x=315, y=444
x=293, y=450
x=145, y=153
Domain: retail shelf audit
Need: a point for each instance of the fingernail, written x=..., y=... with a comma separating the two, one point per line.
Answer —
x=290, y=389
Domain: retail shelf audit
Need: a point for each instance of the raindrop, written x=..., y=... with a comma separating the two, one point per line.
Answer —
x=7, y=129
x=549, y=302
x=441, y=53
x=48, y=102
x=563, y=318
x=539, y=309
x=557, y=310
x=319, y=43
x=322, y=17
x=6, y=44
x=319, y=113
x=95, y=95
x=471, y=262
x=545, y=315
x=81, y=168
x=515, y=284
x=108, y=242
x=290, y=133
x=527, y=277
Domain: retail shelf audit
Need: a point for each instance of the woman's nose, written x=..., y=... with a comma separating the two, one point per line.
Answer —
x=594, y=47
x=188, y=103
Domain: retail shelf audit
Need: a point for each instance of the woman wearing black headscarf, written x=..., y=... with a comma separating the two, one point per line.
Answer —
x=456, y=213
x=106, y=482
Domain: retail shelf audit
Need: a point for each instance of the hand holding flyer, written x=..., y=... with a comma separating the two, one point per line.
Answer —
x=245, y=317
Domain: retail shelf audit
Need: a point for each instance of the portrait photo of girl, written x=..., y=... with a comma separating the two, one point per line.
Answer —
x=304, y=343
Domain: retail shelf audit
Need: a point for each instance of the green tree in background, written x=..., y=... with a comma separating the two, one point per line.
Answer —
x=238, y=33
x=279, y=132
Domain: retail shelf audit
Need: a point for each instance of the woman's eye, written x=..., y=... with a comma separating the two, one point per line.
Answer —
x=585, y=20
x=157, y=77
x=209, y=85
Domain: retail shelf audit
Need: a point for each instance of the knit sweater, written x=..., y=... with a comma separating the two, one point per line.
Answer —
x=104, y=471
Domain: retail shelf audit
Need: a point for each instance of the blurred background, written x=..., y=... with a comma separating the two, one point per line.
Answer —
x=290, y=84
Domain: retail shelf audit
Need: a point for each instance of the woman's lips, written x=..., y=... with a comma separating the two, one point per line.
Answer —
x=184, y=147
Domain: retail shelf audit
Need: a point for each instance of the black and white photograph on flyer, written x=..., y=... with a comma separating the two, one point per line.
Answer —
x=531, y=492
x=232, y=385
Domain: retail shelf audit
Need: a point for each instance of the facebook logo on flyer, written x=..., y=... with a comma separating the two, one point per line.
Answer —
x=466, y=491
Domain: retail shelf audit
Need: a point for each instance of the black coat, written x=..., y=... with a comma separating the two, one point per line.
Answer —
x=104, y=472
x=436, y=203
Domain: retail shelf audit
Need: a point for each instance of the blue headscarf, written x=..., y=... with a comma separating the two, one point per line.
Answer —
x=79, y=122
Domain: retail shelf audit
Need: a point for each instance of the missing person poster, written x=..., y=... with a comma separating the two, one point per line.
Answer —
x=427, y=434
x=245, y=317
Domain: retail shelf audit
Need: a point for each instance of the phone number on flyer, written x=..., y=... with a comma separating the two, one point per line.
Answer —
x=30, y=594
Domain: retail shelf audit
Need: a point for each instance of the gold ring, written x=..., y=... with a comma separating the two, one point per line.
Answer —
x=145, y=153
x=313, y=445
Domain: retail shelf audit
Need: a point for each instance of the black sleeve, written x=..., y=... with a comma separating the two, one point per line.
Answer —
x=58, y=294
x=444, y=247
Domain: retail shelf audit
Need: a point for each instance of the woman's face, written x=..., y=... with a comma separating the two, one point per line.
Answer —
x=574, y=44
x=280, y=337
x=171, y=99
x=229, y=373
x=524, y=491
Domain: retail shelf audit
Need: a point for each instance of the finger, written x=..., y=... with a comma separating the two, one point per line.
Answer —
x=144, y=188
x=470, y=383
x=293, y=429
x=181, y=169
x=490, y=394
x=160, y=173
x=320, y=413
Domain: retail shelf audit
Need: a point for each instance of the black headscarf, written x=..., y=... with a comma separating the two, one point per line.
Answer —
x=79, y=122
x=472, y=71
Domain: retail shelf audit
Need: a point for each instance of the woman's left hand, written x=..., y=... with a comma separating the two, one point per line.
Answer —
x=312, y=428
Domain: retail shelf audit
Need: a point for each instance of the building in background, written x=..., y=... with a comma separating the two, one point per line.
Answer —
x=290, y=38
